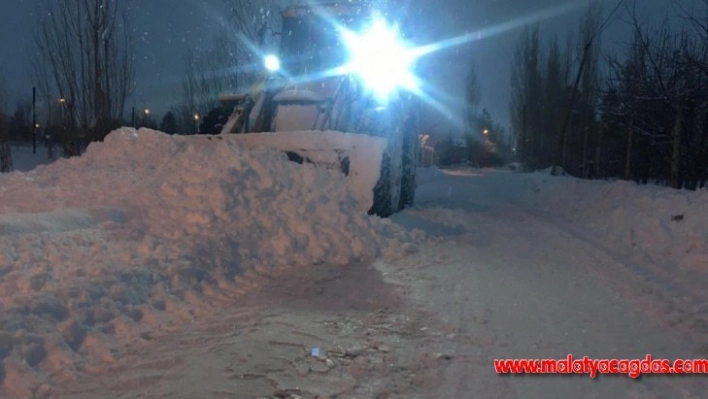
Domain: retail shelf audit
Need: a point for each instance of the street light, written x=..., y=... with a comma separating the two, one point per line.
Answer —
x=196, y=122
x=146, y=113
x=62, y=111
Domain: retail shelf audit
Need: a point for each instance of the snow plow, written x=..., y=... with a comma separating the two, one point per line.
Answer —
x=334, y=96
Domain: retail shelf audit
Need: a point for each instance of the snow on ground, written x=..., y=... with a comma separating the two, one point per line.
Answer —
x=670, y=226
x=147, y=228
x=529, y=277
x=503, y=282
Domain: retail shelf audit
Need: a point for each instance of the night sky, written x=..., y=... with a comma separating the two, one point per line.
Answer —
x=164, y=28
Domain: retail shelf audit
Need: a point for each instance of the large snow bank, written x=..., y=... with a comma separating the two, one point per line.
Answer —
x=145, y=228
x=669, y=225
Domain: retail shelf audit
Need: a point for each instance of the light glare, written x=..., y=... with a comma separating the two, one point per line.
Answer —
x=381, y=59
x=272, y=63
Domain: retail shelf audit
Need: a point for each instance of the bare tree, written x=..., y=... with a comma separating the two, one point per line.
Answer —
x=526, y=83
x=590, y=80
x=554, y=77
x=209, y=73
x=662, y=93
x=473, y=96
x=256, y=24
x=86, y=58
x=698, y=20
x=674, y=82
x=628, y=79
x=586, y=78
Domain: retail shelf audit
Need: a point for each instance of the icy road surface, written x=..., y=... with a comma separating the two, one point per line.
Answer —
x=513, y=269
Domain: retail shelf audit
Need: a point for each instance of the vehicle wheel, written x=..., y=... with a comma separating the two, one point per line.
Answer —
x=410, y=151
x=387, y=192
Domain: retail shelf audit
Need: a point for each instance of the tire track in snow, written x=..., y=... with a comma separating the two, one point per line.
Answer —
x=673, y=301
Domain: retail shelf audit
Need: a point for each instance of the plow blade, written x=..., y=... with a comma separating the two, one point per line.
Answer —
x=358, y=156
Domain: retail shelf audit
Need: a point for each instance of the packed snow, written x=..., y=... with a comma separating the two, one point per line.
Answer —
x=146, y=229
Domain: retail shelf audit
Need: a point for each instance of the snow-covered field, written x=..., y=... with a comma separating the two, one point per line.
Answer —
x=146, y=229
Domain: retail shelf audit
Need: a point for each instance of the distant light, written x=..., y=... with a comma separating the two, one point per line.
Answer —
x=196, y=117
x=271, y=62
x=62, y=100
x=485, y=131
x=36, y=125
x=147, y=111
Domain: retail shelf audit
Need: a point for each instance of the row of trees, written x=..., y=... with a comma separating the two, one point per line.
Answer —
x=640, y=115
x=544, y=81
x=84, y=67
x=656, y=103
x=84, y=70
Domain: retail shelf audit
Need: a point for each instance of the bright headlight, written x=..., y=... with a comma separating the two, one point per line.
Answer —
x=271, y=62
x=381, y=59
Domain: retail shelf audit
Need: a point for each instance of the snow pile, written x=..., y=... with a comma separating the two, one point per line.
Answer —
x=146, y=227
x=669, y=225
